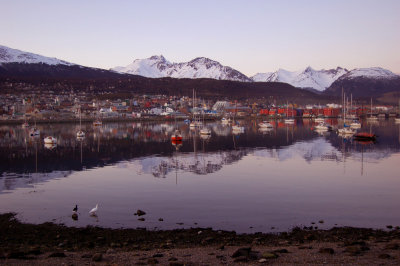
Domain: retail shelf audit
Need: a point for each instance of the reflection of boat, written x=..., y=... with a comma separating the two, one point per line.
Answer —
x=50, y=140
x=205, y=136
x=265, y=124
x=237, y=129
x=323, y=127
x=80, y=133
x=176, y=143
x=176, y=136
x=265, y=130
x=50, y=146
x=205, y=131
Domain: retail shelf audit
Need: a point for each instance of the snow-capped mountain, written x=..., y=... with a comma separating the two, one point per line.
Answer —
x=9, y=55
x=201, y=67
x=371, y=72
x=308, y=78
x=366, y=82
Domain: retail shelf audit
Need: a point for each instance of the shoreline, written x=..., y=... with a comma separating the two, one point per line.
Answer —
x=50, y=244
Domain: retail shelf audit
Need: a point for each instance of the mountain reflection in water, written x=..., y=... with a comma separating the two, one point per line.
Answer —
x=145, y=150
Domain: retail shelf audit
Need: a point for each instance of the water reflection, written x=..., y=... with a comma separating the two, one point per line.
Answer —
x=260, y=173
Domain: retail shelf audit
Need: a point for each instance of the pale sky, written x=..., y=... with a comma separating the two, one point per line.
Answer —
x=251, y=36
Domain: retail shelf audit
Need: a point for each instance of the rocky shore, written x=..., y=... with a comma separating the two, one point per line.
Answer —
x=51, y=244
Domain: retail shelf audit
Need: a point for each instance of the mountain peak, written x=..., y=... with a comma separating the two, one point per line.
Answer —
x=9, y=55
x=158, y=58
x=200, y=67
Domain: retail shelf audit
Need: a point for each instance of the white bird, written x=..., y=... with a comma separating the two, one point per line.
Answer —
x=94, y=210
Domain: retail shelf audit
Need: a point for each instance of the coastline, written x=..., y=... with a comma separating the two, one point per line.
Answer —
x=52, y=244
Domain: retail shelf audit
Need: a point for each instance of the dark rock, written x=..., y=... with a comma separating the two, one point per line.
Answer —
x=74, y=216
x=158, y=255
x=284, y=250
x=269, y=255
x=389, y=226
x=57, y=255
x=152, y=261
x=97, y=257
x=305, y=247
x=254, y=255
x=16, y=255
x=326, y=251
x=172, y=259
x=241, y=259
x=140, y=212
x=321, y=221
x=141, y=219
x=241, y=252
x=175, y=263
x=384, y=256
x=35, y=251
x=393, y=246
x=160, y=219
x=179, y=223
x=86, y=256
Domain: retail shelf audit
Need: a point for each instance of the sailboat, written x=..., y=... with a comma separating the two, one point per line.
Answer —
x=80, y=134
x=371, y=117
x=25, y=124
x=205, y=131
x=289, y=120
x=195, y=121
x=176, y=137
x=346, y=130
x=236, y=128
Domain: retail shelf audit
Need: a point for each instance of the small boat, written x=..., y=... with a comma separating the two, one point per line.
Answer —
x=176, y=136
x=364, y=136
x=34, y=132
x=186, y=121
x=347, y=131
x=50, y=146
x=319, y=119
x=205, y=131
x=323, y=127
x=265, y=124
x=80, y=134
x=355, y=124
x=25, y=125
x=50, y=140
x=397, y=120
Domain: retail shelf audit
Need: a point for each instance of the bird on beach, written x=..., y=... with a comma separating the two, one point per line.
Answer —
x=75, y=209
x=94, y=210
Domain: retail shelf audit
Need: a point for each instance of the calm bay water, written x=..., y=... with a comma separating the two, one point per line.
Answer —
x=255, y=181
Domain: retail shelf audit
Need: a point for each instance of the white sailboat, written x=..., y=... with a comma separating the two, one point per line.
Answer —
x=80, y=134
x=195, y=121
x=371, y=117
x=289, y=120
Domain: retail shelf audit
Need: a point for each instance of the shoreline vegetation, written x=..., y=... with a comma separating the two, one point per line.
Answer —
x=53, y=244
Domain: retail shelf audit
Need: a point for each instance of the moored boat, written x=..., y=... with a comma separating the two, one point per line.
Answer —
x=176, y=136
x=265, y=124
x=364, y=136
x=50, y=140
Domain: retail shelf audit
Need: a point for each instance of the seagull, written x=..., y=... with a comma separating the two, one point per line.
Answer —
x=75, y=209
x=94, y=210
